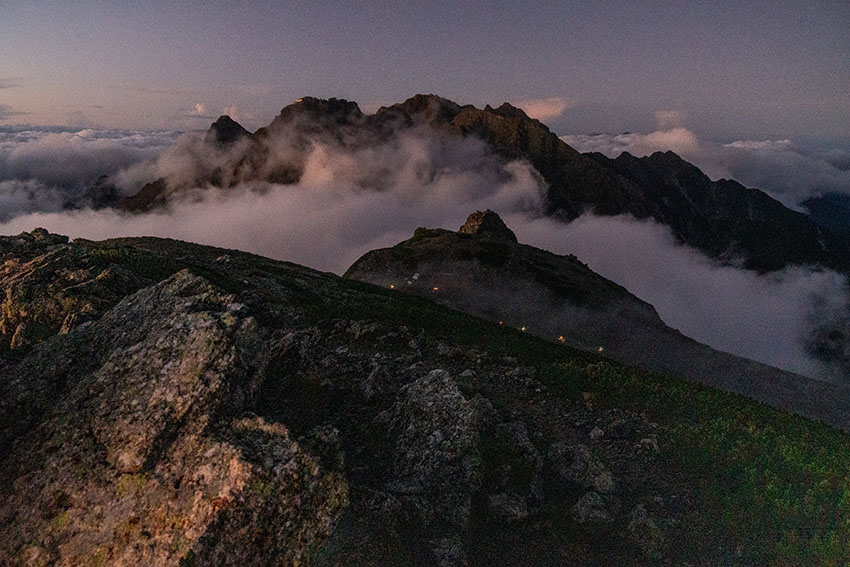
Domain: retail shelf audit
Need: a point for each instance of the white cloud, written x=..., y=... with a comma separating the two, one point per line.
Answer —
x=49, y=168
x=544, y=109
x=232, y=111
x=669, y=119
x=764, y=317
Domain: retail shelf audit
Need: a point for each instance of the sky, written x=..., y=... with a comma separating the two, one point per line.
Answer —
x=729, y=70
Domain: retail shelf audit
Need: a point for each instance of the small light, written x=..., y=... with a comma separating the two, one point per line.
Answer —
x=500, y=322
x=601, y=349
x=561, y=338
x=392, y=286
x=522, y=329
x=436, y=289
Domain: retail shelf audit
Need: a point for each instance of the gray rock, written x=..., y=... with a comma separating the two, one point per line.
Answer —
x=645, y=532
x=489, y=224
x=508, y=506
x=436, y=457
x=591, y=508
x=577, y=464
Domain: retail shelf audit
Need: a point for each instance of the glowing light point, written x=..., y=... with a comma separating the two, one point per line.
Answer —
x=522, y=329
x=436, y=289
x=392, y=286
x=561, y=338
x=601, y=349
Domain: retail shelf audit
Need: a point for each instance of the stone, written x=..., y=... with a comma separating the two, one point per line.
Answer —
x=590, y=508
x=577, y=464
x=436, y=439
x=489, y=224
x=508, y=506
x=644, y=532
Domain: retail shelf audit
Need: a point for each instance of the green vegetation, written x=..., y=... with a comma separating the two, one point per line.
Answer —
x=774, y=483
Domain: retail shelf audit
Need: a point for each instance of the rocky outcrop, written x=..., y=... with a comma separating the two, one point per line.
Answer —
x=225, y=131
x=136, y=453
x=218, y=408
x=487, y=223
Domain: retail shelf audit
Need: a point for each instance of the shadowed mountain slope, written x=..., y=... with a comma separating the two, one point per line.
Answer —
x=560, y=299
x=173, y=404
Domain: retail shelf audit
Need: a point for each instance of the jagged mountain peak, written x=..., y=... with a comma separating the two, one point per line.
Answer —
x=430, y=107
x=507, y=110
x=225, y=131
x=338, y=108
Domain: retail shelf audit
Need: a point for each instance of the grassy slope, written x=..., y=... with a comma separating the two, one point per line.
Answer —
x=775, y=483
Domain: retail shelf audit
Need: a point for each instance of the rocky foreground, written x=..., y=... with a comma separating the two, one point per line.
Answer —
x=163, y=403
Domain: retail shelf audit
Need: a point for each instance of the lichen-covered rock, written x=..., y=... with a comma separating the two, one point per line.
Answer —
x=436, y=458
x=514, y=471
x=577, y=464
x=133, y=457
x=591, y=508
x=645, y=532
x=488, y=223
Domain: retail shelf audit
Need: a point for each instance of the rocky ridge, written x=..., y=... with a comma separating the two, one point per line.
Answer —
x=211, y=410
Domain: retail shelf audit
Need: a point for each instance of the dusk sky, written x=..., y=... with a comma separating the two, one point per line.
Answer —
x=727, y=70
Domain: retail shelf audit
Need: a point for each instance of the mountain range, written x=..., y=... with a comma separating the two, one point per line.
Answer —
x=723, y=219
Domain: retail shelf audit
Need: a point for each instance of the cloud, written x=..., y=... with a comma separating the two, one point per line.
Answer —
x=231, y=111
x=544, y=109
x=345, y=204
x=354, y=198
x=43, y=169
x=764, y=317
x=788, y=172
x=669, y=119
x=200, y=109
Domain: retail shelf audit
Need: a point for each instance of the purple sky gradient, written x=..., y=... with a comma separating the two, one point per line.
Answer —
x=734, y=70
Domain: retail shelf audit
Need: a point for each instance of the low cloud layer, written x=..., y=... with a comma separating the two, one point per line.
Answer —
x=351, y=201
x=43, y=169
x=544, y=109
x=764, y=317
x=788, y=172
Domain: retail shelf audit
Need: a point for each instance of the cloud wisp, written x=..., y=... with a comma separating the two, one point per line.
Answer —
x=544, y=109
x=45, y=169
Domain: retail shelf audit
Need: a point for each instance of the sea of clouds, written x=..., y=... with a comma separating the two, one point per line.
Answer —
x=46, y=169
x=351, y=201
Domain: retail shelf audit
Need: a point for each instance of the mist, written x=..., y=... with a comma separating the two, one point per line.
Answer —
x=44, y=169
x=768, y=318
x=354, y=198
